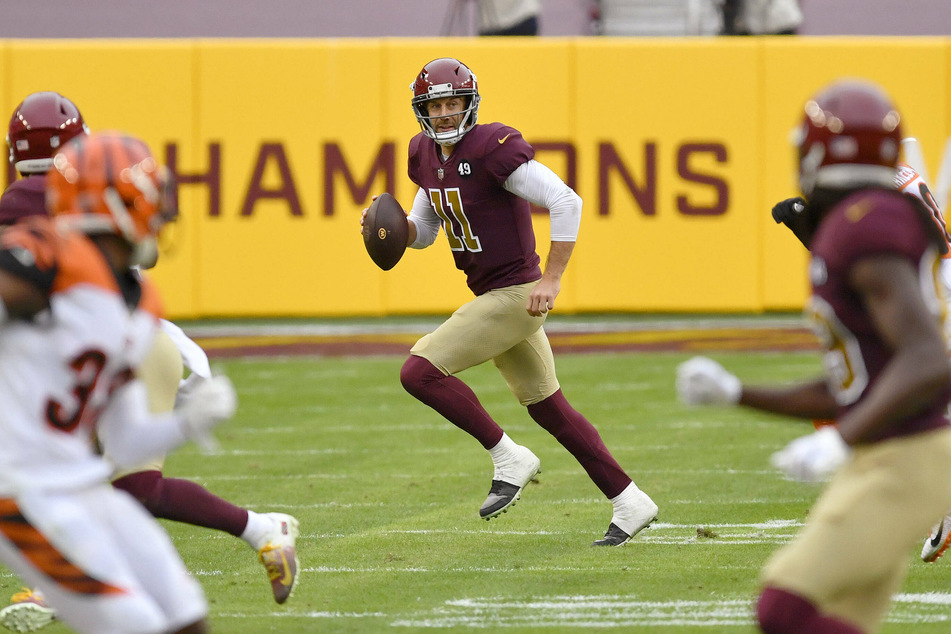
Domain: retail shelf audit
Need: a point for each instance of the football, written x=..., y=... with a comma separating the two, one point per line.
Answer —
x=385, y=231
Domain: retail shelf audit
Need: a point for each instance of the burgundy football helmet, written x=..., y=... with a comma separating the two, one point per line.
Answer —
x=39, y=127
x=850, y=137
x=446, y=77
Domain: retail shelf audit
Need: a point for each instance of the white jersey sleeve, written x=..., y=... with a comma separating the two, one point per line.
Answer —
x=193, y=356
x=540, y=186
x=424, y=217
x=132, y=435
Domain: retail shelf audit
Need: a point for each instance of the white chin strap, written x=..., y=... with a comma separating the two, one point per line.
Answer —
x=846, y=176
x=448, y=138
x=34, y=166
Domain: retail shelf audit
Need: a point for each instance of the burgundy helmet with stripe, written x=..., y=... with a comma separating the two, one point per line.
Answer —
x=446, y=77
x=39, y=127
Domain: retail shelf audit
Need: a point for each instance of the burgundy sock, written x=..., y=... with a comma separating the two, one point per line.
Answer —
x=582, y=440
x=781, y=612
x=450, y=397
x=183, y=501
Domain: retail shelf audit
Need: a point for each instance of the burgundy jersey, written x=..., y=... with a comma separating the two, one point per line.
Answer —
x=489, y=228
x=869, y=222
x=24, y=197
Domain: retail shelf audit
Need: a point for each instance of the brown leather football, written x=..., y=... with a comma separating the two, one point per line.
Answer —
x=385, y=231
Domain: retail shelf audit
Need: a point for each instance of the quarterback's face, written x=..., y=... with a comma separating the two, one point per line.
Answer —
x=446, y=113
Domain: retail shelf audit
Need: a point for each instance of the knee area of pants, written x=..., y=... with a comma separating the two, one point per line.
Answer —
x=415, y=372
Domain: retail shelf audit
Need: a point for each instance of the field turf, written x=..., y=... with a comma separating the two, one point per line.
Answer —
x=387, y=493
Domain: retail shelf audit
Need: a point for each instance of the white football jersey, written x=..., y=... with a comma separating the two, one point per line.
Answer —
x=58, y=372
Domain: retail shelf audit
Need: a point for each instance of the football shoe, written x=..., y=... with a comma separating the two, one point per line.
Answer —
x=27, y=612
x=508, y=481
x=637, y=515
x=279, y=556
x=938, y=541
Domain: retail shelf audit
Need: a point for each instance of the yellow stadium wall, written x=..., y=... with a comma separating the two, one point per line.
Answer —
x=679, y=148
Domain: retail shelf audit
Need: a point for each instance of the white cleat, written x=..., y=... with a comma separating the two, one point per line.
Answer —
x=279, y=556
x=27, y=612
x=938, y=541
x=643, y=513
x=508, y=481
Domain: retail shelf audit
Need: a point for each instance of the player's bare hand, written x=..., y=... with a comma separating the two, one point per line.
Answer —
x=542, y=298
x=363, y=214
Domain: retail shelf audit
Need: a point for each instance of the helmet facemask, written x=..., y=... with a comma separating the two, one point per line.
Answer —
x=467, y=117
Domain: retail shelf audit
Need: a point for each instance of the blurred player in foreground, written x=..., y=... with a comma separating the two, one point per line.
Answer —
x=476, y=182
x=876, y=306
x=74, y=324
x=40, y=125
x=791, y=212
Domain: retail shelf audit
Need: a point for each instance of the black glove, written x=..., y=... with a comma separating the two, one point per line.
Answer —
x=788, y=210
x=792, y=213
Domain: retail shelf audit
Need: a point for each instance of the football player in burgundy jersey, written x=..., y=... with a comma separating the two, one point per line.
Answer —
x=911, y=183
x=877, y=309
x=476, y=182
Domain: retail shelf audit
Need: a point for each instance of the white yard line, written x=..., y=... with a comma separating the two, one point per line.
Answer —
x=596, y=612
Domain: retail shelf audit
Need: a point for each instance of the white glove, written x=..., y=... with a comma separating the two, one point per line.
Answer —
x=813, y=458
x=208, y=403
x=187, y=386
x=703, y=381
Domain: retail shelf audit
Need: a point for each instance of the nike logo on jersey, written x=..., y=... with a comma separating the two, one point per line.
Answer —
x=503, y=139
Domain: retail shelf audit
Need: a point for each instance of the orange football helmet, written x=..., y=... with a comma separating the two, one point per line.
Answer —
x=109, y=182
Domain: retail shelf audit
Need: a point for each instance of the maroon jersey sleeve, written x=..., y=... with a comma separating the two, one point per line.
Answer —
x=413, y=164
x=869, y=223
x=23, y=198
x=504, y=151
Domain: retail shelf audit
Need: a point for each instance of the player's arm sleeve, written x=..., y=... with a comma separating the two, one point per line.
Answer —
x=132, y=435
x=540, y=186
x=29, y=265
x=424, y=217
x=193, y=356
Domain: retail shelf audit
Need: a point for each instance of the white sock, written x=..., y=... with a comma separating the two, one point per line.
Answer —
x=504, y=450
x=624, y=506
x=259, y=528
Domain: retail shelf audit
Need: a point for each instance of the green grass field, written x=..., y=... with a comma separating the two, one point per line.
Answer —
x=387, y=494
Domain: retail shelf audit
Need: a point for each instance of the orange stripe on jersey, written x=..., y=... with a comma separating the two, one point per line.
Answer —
x=38, y=237
x=74, y=257
x=42, y=554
